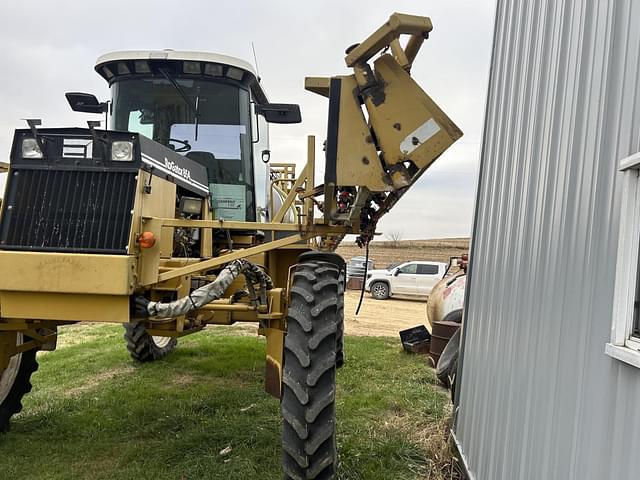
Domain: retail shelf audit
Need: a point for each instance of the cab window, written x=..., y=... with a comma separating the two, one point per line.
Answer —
x=427, y=269
x=205, y=120
x=410, y=268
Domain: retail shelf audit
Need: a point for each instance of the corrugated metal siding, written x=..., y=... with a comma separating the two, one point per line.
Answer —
x=539, y=399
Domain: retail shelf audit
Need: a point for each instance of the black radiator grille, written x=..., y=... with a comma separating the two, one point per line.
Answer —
x=68, y=211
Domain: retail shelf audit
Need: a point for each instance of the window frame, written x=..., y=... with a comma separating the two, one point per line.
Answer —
x=624, y=346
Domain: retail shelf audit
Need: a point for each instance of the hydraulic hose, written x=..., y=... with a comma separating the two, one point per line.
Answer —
x=211, y=291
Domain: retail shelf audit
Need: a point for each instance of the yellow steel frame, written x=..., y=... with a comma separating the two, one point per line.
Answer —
x=67, y=273
x=39, y=291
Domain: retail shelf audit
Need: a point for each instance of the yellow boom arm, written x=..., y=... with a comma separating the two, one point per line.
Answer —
x=371, y=161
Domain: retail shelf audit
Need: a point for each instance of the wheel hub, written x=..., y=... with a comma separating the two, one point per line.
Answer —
x=161, y=342
x=379, y=290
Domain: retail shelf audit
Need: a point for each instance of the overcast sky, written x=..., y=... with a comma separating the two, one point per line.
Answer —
x=50, y=48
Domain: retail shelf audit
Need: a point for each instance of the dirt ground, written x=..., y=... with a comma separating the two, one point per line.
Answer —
x=382, y=318
x=377, y=318
x=388, y=317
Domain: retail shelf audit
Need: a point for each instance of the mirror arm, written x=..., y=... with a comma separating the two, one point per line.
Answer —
x=105, y=107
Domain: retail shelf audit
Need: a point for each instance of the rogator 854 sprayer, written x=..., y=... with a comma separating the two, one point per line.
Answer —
x=172, y=219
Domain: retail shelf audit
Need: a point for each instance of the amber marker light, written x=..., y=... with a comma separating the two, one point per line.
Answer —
x=146, y=240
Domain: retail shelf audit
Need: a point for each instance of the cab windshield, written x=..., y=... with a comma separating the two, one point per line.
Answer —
x=207, y=121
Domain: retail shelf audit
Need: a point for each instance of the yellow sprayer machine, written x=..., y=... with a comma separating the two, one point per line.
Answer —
x=173, y=218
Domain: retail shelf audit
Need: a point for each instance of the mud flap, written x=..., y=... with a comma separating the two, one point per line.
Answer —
x=273, y=368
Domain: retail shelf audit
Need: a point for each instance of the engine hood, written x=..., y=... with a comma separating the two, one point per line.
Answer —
x=379, y=273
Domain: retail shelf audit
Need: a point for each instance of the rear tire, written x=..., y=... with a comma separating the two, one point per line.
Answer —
x=144, y=347
x=15, y=383
x=309, y=372
x=380, y=290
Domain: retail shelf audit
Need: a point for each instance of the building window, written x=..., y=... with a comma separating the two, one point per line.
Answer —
x=625, y=330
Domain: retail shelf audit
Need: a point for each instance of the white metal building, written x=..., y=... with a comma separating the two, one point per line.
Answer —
x=550, y=375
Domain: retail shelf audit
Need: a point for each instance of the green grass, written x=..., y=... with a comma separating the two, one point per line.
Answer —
x=94, y=414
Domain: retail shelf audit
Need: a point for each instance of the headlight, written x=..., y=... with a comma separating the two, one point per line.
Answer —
x=122, y=151
x=30, y=148
x=190, y=205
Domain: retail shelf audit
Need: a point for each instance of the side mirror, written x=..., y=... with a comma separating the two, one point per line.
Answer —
x=280, y=112
x=396, y=272
x=85, y=102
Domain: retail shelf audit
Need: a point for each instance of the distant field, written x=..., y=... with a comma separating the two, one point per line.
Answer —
x=384, y=253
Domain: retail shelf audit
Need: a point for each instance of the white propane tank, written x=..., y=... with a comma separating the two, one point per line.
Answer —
x=446, y=297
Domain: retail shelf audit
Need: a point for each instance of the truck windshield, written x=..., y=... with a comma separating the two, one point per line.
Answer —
x=205, y=120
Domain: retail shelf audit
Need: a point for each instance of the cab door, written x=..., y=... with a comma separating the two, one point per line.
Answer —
x=406, y=279
x=428, y=274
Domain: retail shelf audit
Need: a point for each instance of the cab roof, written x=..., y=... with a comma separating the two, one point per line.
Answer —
x=209, y=62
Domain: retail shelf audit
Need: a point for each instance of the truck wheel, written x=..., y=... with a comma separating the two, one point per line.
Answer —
x=309, y=373
x=380, y=291
x=15, y=383
x=144, y=347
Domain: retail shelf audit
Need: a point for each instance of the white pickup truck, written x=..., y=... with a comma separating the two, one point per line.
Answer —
x=409, y=278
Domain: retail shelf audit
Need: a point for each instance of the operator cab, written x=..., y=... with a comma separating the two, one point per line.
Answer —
x=200, y=105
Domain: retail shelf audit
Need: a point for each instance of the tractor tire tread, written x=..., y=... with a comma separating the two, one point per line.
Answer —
x=303, y=357
x=12, y=404
x=141, y=345
x=340, y=325
x=308, y=401
x=318, y=337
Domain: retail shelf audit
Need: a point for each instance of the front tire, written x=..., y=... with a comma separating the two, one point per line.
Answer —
x=144, y=347
x=340, y=325
x=15, y=383
x=309, y=373
x=380, y=290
